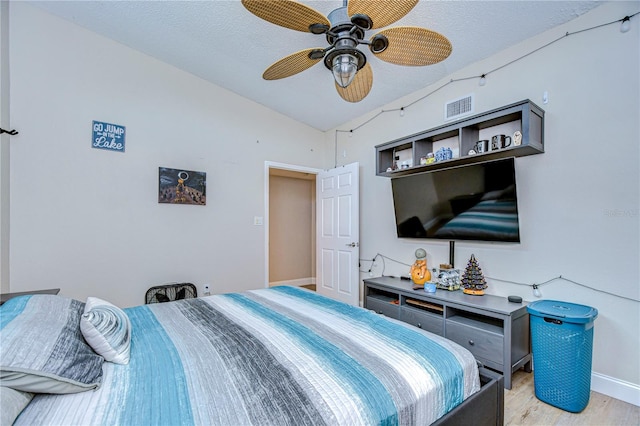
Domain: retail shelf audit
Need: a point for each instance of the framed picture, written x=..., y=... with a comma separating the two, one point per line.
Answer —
x=177, y=186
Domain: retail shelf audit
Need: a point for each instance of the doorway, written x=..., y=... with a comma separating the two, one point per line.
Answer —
x=329, y=238
x=290, y=197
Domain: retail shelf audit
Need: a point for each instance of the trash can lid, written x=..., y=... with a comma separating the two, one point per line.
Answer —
x=570, y=312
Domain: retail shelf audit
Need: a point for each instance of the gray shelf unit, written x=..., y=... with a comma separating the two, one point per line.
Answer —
x=493, y=329
x=523, y=116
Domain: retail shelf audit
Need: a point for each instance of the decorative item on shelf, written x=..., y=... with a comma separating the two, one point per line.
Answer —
x=481, y=147
x=419, y=272
x=444, y=153
x=396, y=160
x=430, y=287
x=406, y=164
x=447, y=278
x=423, y=161
x=500, y=142
x=517, y=138
x=473, y=281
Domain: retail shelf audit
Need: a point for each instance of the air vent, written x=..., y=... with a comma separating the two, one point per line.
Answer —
x=458, y=107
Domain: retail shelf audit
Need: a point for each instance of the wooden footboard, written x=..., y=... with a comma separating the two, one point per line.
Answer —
x=483, y=408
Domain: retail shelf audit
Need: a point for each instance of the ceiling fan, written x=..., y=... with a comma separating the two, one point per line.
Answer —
x=345, y=29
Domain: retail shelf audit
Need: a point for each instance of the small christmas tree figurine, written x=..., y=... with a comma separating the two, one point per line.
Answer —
x=473, y=281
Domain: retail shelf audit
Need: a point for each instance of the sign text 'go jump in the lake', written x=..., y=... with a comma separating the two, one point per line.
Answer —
x=108, y=136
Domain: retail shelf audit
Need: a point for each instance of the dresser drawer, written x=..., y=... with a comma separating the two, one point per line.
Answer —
x=383, y=307
x=482, y=344
x=423, y=320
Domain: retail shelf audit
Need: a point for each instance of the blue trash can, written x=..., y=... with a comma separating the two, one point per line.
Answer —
x=562, y=346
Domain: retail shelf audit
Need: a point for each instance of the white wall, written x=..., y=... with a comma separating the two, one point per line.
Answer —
x=4, y=146
x=87, y=220
x=578, y=201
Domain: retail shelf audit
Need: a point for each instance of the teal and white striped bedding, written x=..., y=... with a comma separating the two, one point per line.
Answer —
x=283, y=356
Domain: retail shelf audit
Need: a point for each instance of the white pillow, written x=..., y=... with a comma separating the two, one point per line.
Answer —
x=107, y=329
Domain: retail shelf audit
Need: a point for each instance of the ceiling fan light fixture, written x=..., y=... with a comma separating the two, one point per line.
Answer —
x=363, y=21
x=316, y=54
x=379, y=43
x=318, y=28
x=344, y=68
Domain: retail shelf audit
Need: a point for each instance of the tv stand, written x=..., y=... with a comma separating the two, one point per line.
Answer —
x=493, y=329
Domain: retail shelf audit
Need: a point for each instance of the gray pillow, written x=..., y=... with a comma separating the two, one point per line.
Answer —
x=43, y=350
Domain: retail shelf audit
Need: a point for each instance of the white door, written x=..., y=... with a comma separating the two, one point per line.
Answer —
x=338, y=233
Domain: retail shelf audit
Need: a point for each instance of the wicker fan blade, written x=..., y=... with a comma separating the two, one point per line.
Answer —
x=359, y=87
x=382, y=13
x=414, y=46
x=290, y=65
x=286, y=13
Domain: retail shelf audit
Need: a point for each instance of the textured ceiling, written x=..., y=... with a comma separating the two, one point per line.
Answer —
x=220, y=41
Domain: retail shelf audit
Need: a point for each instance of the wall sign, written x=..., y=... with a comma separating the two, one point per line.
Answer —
x=108, y=136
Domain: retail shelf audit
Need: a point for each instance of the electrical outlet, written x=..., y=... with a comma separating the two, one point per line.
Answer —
x=207, y=290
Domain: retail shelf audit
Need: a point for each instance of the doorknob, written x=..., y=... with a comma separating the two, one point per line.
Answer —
x=353, y=245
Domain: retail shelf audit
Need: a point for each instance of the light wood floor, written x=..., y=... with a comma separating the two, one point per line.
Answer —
x=523, y=408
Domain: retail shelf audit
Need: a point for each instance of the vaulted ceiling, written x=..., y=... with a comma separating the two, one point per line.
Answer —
x=221, y=42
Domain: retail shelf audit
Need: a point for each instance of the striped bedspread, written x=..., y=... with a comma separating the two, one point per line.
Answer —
x=280, y=356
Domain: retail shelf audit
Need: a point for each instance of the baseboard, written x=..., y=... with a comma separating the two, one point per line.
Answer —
x=296, y=283
x=616, y=388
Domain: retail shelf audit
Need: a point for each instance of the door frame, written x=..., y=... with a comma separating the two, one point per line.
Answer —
x=282, y=166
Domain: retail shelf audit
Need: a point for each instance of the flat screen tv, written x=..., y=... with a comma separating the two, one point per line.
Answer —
x=473, y=202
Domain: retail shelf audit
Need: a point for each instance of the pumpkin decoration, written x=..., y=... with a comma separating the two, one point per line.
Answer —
x=419, y=272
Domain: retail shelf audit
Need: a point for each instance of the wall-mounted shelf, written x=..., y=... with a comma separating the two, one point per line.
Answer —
x=461, y=137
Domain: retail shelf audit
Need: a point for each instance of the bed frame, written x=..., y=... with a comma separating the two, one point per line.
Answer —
x=485, y=407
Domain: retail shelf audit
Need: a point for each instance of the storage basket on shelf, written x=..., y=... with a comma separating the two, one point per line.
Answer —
x=170, y=292
x=562, y=346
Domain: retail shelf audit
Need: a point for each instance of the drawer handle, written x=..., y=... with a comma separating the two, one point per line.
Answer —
x=471, y=342
x=419, y=325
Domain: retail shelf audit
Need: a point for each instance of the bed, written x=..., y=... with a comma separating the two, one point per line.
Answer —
x=281, y=356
